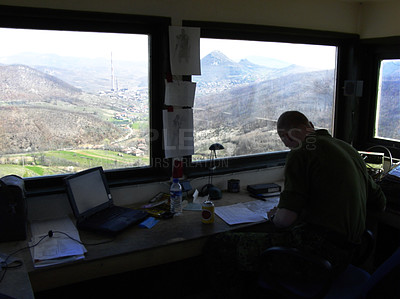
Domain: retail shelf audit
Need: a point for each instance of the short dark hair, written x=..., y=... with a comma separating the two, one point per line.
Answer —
x=291, y=119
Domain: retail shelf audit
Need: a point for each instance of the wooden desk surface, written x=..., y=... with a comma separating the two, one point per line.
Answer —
x=16, y=283
x=169, y=240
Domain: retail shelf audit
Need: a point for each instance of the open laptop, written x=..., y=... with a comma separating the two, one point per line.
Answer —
x=92, y=203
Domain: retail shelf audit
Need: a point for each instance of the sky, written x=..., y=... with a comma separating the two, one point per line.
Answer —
x=125, y=47
x=77, y=44
x=315, y=56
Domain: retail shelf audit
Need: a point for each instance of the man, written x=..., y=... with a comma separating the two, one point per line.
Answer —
x=322, y=208
x=327, y=188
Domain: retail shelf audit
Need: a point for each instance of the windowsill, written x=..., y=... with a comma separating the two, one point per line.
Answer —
x=40, y=186
x=237, y=164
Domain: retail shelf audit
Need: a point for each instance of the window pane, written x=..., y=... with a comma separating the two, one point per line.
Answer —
x=387, y=124
x=246, y=85
x=72, y=100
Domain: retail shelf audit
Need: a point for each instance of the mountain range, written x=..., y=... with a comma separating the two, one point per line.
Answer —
x=218, y=71
x=236, y=103
x=42, y=112
x=89, y=74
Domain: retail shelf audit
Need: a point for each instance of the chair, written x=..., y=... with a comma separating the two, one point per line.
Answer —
x=384, y=282
x=312, y=277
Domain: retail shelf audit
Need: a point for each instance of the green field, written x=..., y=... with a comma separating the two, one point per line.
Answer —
x=66, y=161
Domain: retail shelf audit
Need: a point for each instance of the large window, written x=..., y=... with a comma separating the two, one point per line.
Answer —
x=79, y=90
x=387, y=124
x=245, y=86
x=72, y=100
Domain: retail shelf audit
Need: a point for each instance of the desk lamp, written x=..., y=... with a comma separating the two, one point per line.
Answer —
x=210, y=189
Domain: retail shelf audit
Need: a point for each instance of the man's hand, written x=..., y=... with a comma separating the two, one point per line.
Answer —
x=282, y=217
x=272, y=212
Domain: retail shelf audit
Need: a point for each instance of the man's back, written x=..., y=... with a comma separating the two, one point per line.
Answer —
x=327, y=184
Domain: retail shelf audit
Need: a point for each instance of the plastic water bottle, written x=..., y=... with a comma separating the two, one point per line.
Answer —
x=176, y=197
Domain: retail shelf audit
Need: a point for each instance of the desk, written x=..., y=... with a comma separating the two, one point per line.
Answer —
x=170, y=240
x=16, y=282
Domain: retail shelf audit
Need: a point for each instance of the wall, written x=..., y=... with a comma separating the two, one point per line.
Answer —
x=380, y=19
x=331, y=15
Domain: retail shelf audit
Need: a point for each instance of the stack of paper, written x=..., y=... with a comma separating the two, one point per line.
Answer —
x=62, y=247
x=252, y=211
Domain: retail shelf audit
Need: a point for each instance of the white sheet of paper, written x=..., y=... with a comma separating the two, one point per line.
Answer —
x=178, y=133
x=59, y=248
x=239, y=213
x=180, y=93
x=184, y=49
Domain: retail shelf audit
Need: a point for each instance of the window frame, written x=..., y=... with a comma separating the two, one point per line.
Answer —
x=343, y=41
x=157, y=30
x=374, y=51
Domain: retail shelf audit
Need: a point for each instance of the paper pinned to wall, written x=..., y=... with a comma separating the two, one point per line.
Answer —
x=184, y=49
x=180, y=93
x=178, y=133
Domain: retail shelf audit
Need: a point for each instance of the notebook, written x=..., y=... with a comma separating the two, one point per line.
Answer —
x=93, y=206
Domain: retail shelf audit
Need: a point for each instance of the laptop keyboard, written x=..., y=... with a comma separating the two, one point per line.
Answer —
x=107, y=215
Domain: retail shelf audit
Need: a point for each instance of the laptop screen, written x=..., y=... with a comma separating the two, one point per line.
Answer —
x=88, y=190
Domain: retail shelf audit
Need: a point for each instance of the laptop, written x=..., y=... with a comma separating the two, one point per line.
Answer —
x=92, y=203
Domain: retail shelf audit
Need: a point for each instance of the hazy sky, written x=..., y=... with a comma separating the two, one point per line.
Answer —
x=317, y=56
x=79, y=44
x=131, y=47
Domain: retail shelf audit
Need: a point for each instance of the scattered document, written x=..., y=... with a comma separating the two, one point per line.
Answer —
x=253, y=211
x=62, y=247
x=184, y=47
x=180, y=93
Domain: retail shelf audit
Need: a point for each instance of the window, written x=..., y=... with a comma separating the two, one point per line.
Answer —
x=246, y=85
x=379, y=107
x=90, y=98
x=387, y=118
x=72, y=100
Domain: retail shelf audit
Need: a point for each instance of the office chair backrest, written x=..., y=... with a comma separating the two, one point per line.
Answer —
x=354, y=282
x=385, y=281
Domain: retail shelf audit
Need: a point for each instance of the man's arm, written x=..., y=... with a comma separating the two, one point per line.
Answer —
x=283, y=217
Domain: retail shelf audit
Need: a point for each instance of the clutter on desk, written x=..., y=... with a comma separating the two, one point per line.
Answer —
x=175, y=198
x=208, y=211
x=209, y=189
x=158, y=200
x=233, y=185
x=263, y=191
x=159, y=206
x=195, y=205
x=246, y=212
x=148, y=222
x=54, y=242
x=394, y=174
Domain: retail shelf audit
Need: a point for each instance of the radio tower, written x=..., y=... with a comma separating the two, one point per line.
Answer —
x=112, y=75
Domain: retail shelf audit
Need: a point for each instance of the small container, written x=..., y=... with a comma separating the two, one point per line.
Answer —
x=233, y=186
x=207, y=212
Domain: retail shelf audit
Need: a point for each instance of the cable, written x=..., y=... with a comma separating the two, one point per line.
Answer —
x=384, y=147
x=50, y=234
x=4, y=264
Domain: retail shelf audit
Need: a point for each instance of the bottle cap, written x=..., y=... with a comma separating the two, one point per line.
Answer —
x=175, y=180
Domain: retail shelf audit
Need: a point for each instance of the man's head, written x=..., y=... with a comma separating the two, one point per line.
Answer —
x=293, y=127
